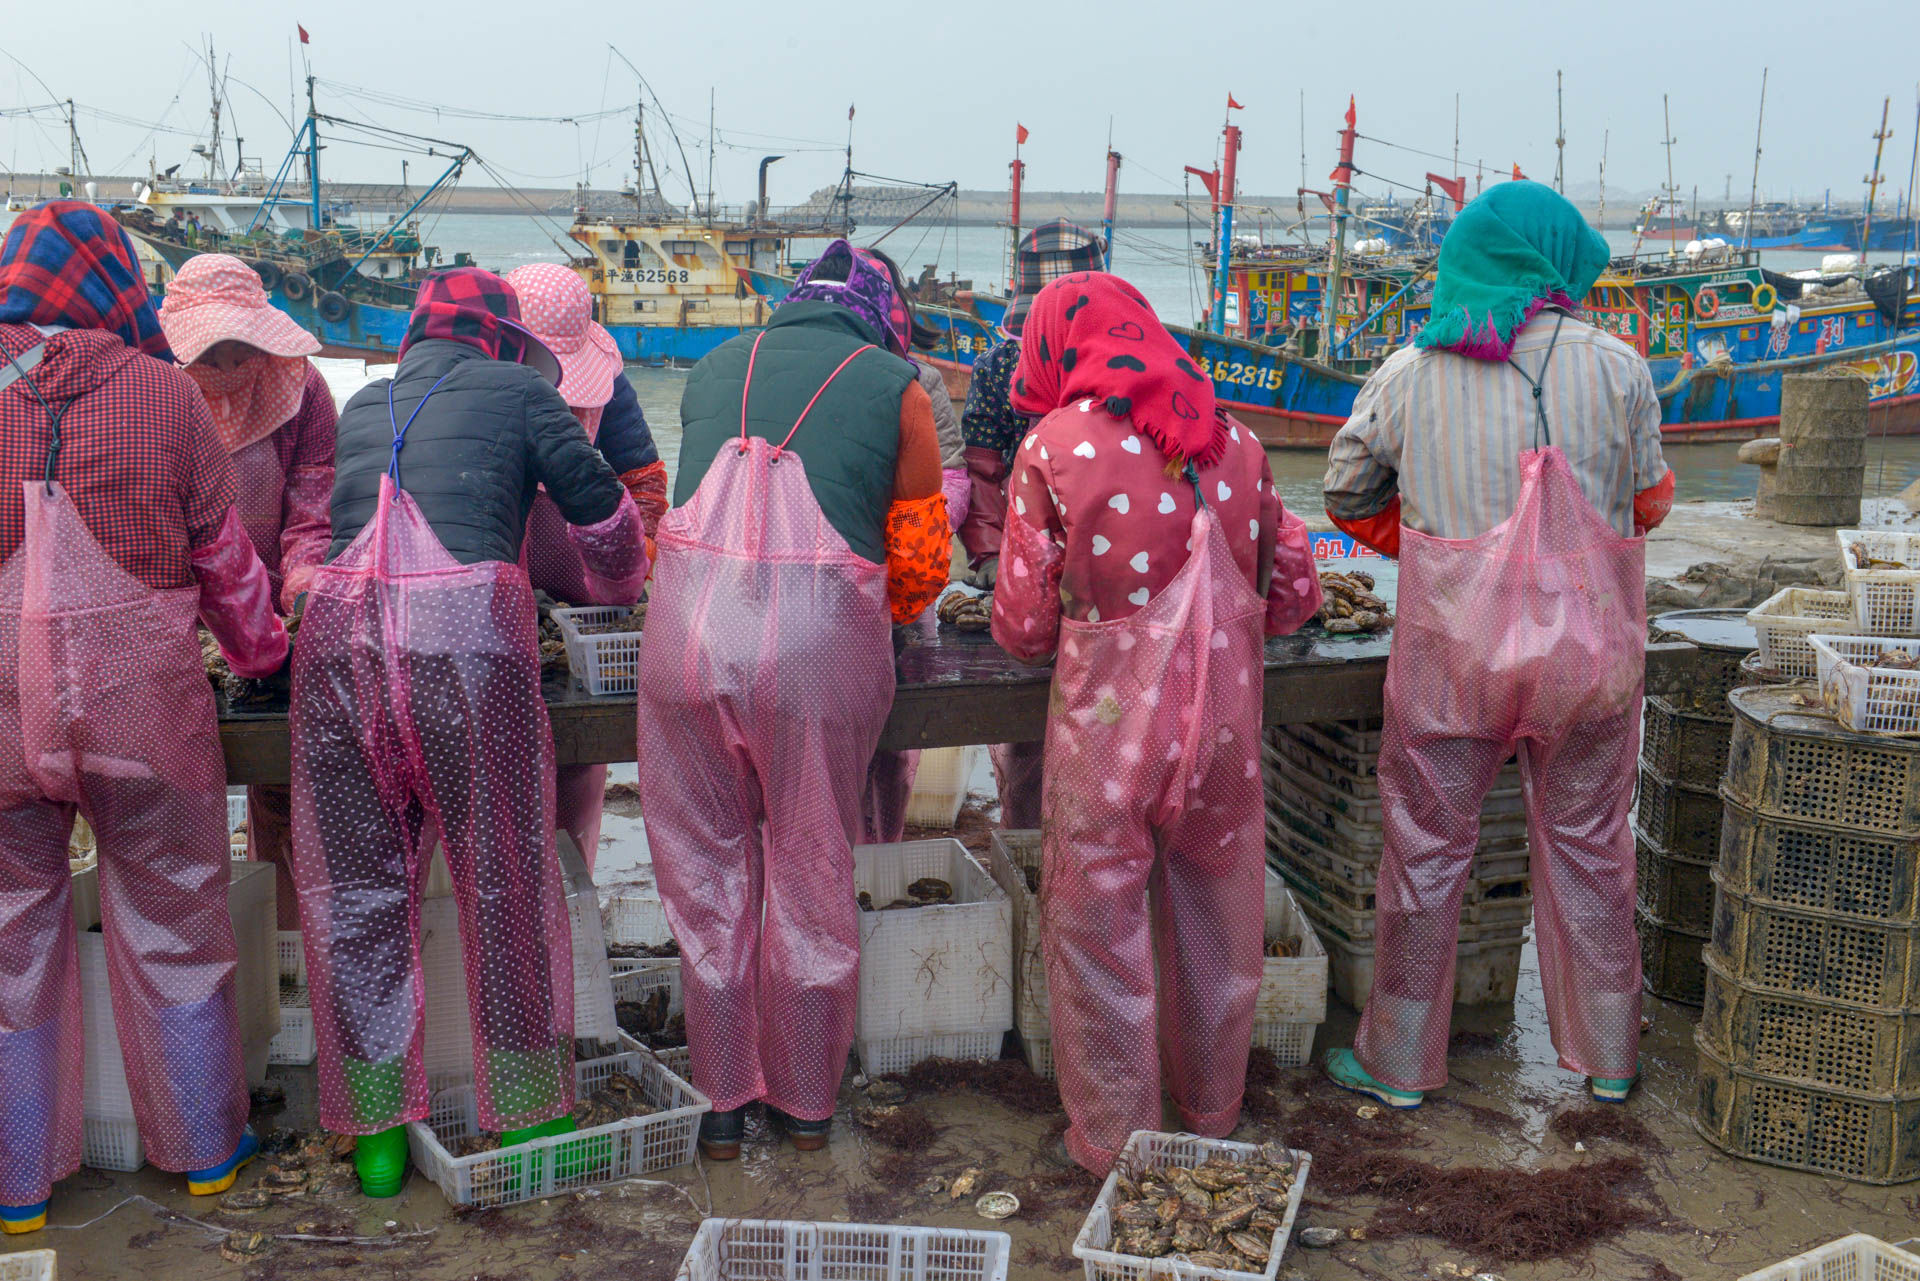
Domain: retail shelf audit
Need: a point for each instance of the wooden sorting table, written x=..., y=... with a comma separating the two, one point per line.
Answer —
x=956, y=689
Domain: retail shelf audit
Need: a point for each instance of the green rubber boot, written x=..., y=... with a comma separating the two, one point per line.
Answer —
x=381, y=1162
x=379, y=1092
x=568, y=1160
x=1345, y=1071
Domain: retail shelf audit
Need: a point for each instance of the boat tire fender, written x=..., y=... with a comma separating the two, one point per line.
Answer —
x=269, y=273
x=1764, y=297
x=1706, y=304
x=332, y=307
x=297, y=285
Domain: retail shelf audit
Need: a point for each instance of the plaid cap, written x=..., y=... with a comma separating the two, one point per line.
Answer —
x=66, y=263
x=475, y=307
x=1048, y=252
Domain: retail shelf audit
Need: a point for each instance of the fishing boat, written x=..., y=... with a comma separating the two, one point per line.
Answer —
x=1666, y=218
x=1718, y=332
x=1780, y=226
x=670, y=284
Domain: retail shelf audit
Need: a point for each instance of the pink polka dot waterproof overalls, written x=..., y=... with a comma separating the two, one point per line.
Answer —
x=107, y=711
x=765, y=678
x=1153, y=838
x=1533, y=636
x=416, y=695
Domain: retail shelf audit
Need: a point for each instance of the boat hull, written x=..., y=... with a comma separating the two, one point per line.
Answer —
x=1297, y=404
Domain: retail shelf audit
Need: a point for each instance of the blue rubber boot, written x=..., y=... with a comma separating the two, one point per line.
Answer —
x=1614, y=1089
x=17, y=1219
x=1346, y=1072
x=219, y=1178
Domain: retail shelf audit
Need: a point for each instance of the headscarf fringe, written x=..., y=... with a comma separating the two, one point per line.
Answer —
x=1456, y=331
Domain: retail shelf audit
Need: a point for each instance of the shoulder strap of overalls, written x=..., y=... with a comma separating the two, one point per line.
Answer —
x=746, y=390
x=16, y=371
x=1193, y=478
x=400, y=432
x=1539, y=409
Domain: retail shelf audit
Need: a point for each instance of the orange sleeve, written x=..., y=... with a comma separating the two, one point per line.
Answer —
x=1380, y=531
x=917, y=472
x=648, y=485
x=1653, y=504
x=919, y=553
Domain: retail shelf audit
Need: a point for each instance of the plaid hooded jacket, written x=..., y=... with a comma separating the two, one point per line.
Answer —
x=139, y=456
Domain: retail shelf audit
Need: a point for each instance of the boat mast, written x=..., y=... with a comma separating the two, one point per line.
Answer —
x=1113, y=200
x=1753, y=192
x=1913, y=172
x=213, y=95
x=1559, y=139
x=313, y=154
x=709, y=155
x=1223, y=253
x=1606, y=136
x=1342, y=180
x=640, y=156
x=1873, y=183
x=1017, y=169
x=1673, y=192
x=1304, y=229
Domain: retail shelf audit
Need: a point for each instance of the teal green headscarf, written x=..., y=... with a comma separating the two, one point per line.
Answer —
x=1519, y=247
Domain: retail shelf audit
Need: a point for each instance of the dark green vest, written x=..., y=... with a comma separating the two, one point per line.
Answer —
x=850, y=443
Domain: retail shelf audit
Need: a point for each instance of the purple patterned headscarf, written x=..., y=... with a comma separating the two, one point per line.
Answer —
x=867, y=290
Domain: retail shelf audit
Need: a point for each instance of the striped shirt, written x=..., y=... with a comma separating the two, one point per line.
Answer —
x=1445, y=431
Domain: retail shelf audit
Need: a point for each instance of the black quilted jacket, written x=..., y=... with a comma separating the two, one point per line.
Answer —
x=474, y=456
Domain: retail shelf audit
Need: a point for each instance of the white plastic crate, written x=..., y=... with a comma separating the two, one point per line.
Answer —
x=635, y=917
x=544, y=1167
x=1884, y=600
x=778, y=1250
x=111, y=1143
x=294, y=1045
x=940, y=786
x=1865, y=698
x=937, y=981
x=1852, y=1258
x=1784, y=621
x=104, y=1091
x=27, y=1265
x=636, y=979
x=1009, y=857
x=449, y=1030
x=607, y=663
x=1150, y=1148
x=292, y=957
x=1293, y=989
x=236, y=820
x=1039, y=1052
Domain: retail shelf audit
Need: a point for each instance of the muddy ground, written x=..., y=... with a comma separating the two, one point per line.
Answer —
x=1704, y=1215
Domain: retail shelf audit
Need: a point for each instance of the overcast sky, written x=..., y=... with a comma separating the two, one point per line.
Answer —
x=940, y=87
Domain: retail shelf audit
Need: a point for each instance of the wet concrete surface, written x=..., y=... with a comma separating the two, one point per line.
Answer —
x=1710, y=1216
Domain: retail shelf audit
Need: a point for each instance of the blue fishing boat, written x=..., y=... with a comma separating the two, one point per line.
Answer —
x=669, y=284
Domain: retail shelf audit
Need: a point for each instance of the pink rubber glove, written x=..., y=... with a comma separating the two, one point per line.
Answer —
x=614, y=554
x=306, y=530
x=1026, y=599
x=1293, y=593
x=236, y=601
x=957, y=484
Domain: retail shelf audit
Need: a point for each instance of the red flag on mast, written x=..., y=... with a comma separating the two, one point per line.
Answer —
x=1019, y=134
x=1234, y=106
x=303, y=33
x=1517, y=175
